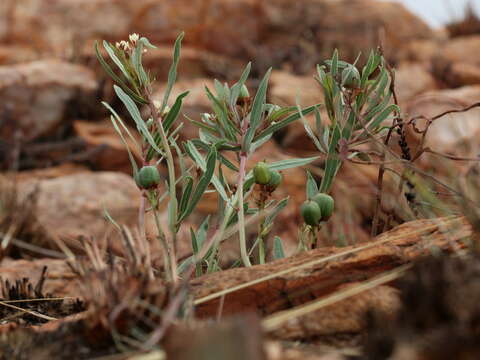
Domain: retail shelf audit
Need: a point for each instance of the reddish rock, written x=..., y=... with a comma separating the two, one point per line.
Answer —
x=35, y=96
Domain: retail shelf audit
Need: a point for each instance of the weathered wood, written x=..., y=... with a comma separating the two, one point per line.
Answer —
x=324, y=270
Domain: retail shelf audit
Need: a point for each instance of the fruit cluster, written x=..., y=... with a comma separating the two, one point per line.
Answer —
x=318, y=208
x=266, y=177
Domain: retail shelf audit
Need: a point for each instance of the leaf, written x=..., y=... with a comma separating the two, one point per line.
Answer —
x=186, y=194
x=135, y=114
x=137, y=64
x=273, y=214
x=312, y=187
x=174, y=111
x=116, y=78
x=334, y=65
x=282, y=123
x=282, y=165
x=383, y=115
x=256, y=114
x=195, y=155
x=172, y=74
x=202, y=183
x=236, y=88
x=110, y=51
x=332, y=164
x=278, y=252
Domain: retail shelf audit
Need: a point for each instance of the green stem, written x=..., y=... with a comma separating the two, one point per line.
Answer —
x=173, y=206
x=166, y=251
x=241, y=212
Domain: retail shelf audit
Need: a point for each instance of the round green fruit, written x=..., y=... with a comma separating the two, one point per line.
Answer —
x=311, y=213
x=262, y=173
x=325, y=203
x=275, y=180
x=147, y=177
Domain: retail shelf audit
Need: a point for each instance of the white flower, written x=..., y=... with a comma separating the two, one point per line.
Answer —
x=134, y=38
x=157, y=104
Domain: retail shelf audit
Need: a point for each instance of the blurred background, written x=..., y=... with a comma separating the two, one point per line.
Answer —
x=56, y=138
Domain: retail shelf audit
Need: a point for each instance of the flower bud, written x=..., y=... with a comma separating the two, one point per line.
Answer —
x=311, y=213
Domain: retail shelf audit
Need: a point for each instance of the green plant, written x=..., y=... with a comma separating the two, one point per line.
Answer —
x=238, y=124
x=357, y=104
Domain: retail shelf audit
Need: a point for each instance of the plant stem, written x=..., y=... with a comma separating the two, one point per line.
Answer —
x=171, y=243
x=167, y=256
x=241, y=213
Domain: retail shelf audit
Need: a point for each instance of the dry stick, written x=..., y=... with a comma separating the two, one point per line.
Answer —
x=276, y=320
x=31, y=312
x=381, y=170
x=321, y=260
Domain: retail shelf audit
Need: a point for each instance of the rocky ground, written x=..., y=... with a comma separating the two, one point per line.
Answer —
x=63, y=164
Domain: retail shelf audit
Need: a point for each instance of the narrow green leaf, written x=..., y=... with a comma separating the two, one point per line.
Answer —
x=172, y=74
x=197, y=157
x=285, y=122
x=256, y=114
x=202, y=183
x=135, y=114
x=186, y=194
x=278, y=252
x=312, y=187
x=270, y=218
x=235, y=91
x=174, y=111
x=116, y=78
x=109, y=48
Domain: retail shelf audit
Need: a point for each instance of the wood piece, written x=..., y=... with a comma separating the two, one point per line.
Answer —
x=319, y=276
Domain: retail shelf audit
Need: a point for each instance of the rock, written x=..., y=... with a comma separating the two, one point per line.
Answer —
x=446, y=133
x=51, y=172
x=59, y=26
x=357, y=26
x=463, y=73
x=108, y=151
x=13, y=54
x=457, y=62
x=273, y=32
x=36, y=95
x=422, y=51
x=72, y=206
x=286, y=89
x=195, y=103
x=412, y=79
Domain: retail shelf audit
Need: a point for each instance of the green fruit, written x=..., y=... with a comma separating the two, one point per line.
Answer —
x=147, y=177
x=311, y=213
x=325, y=203
x=262, y=173
x=275, y=179
x=244, y=92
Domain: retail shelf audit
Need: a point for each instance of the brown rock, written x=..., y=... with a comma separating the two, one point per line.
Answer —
x=195, y=103
x=412, y=79
x=110, y=153
x=457, y=62
x=447, y=132
x=51, y=172
x=35, y=96
x=71, y=207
